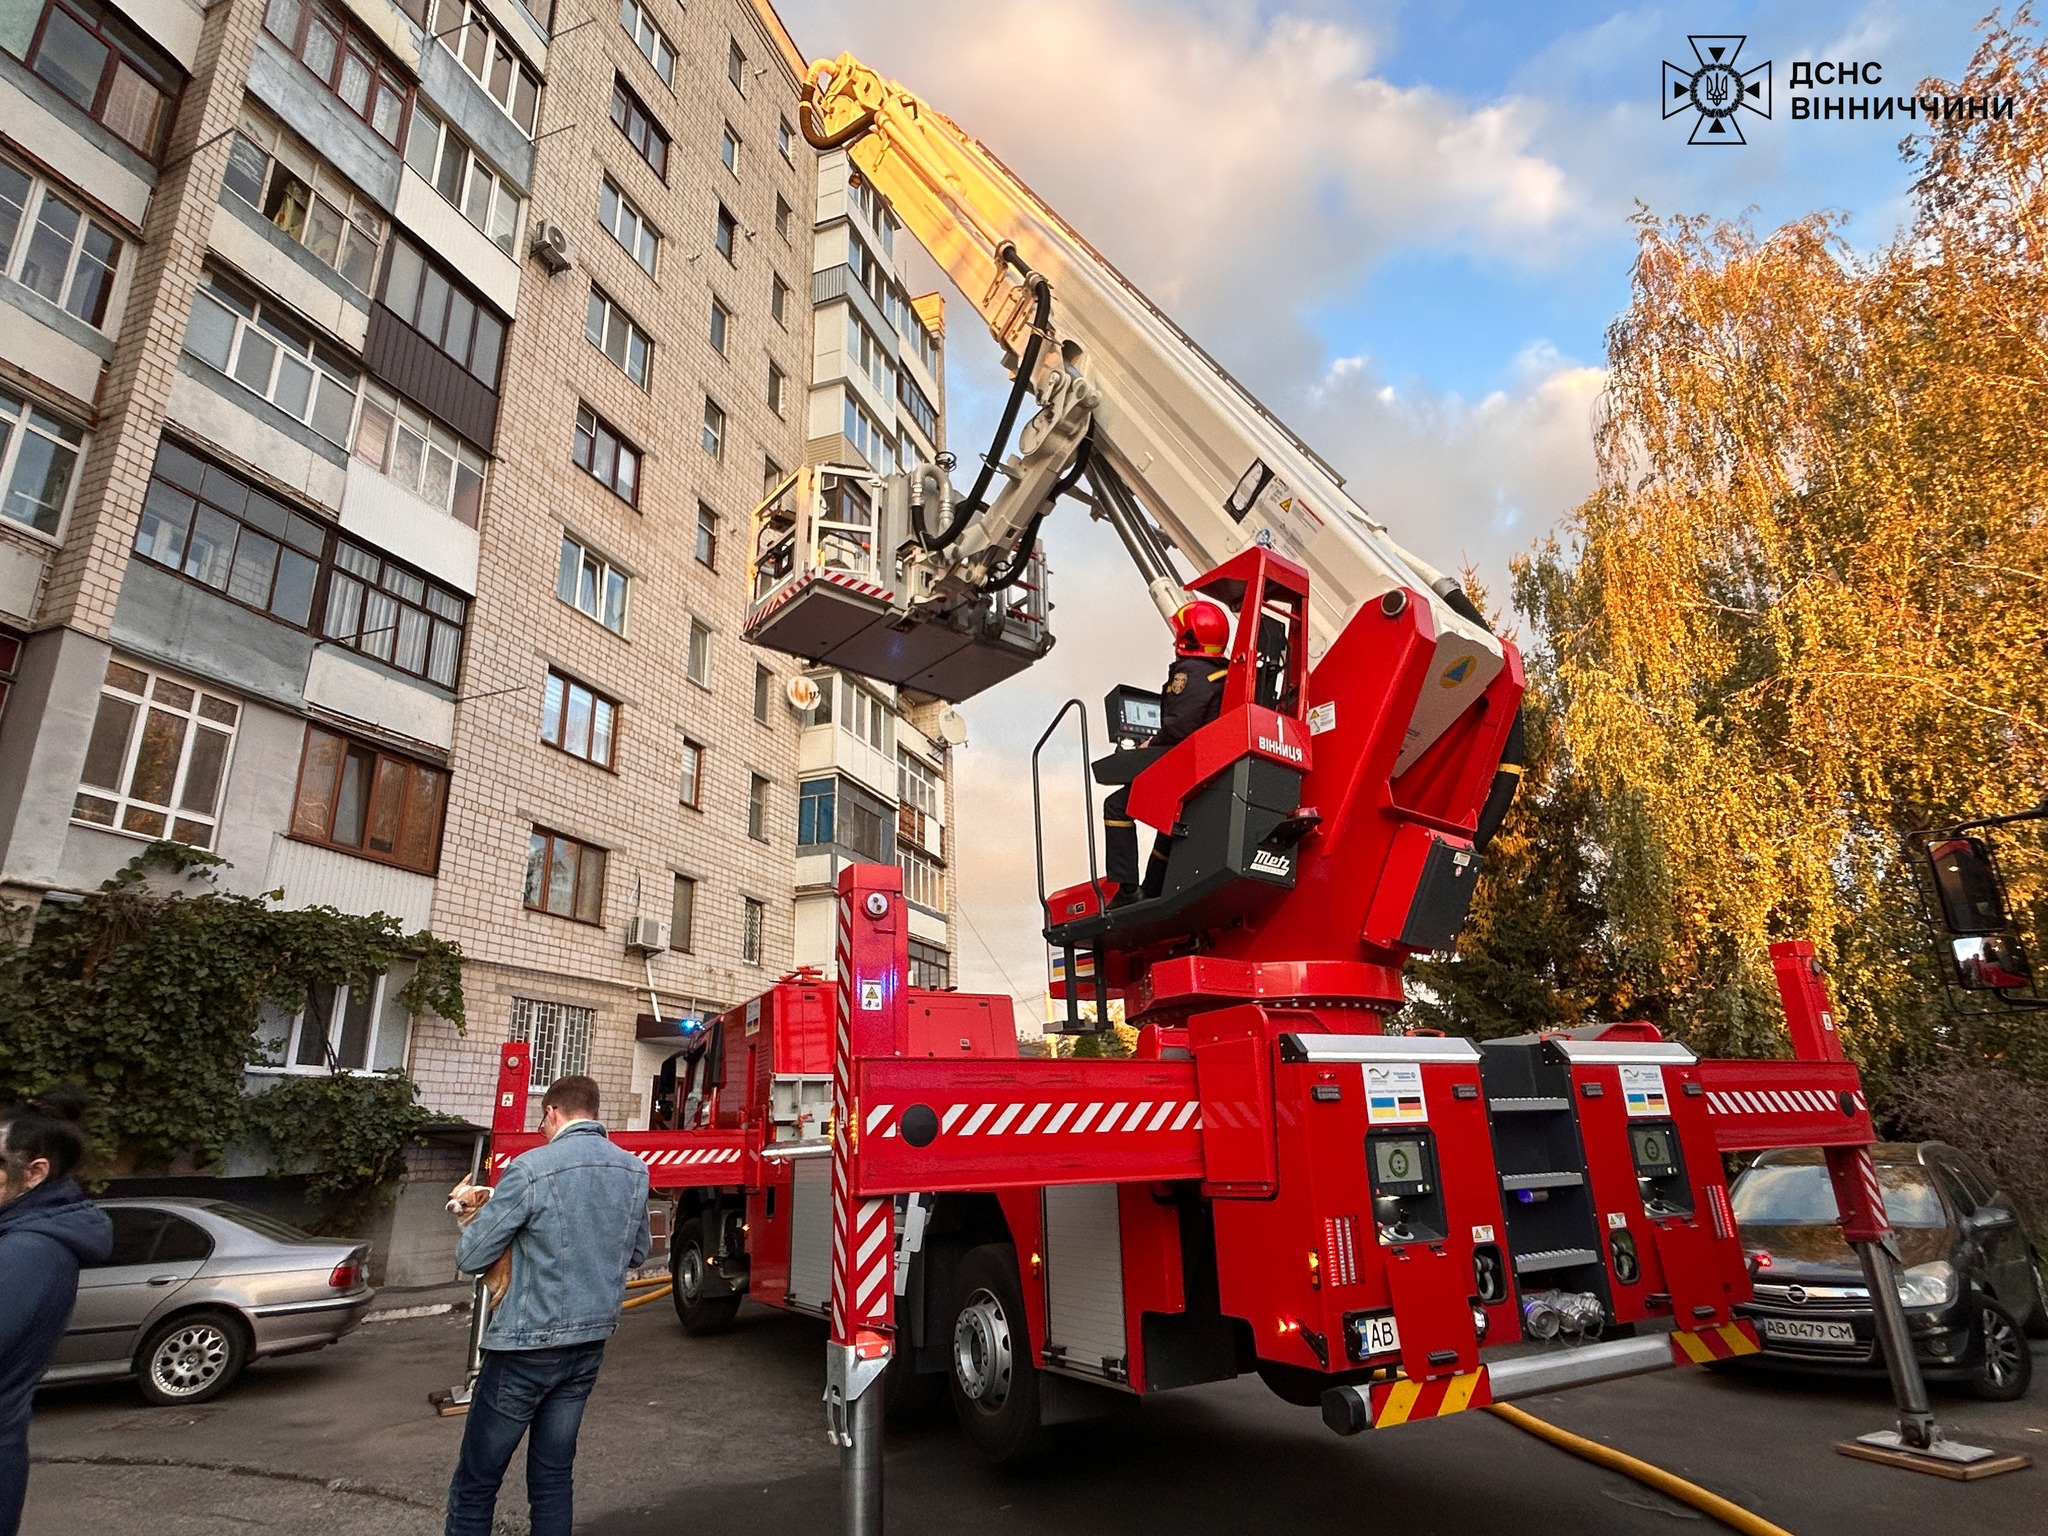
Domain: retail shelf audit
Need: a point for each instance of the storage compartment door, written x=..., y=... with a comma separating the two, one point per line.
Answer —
x=1084, y=1282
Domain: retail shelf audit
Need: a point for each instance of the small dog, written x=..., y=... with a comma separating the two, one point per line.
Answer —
x=464, y=1201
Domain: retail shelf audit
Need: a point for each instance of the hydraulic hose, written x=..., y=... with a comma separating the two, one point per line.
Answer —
x=1729, y=1513
x=1064, y=484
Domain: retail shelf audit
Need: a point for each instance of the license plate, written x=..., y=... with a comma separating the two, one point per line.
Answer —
x=1795, y=1330
x=1377, y=1335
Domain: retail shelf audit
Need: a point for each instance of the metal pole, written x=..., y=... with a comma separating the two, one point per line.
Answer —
x=1916, y=1418
x=860, y=1466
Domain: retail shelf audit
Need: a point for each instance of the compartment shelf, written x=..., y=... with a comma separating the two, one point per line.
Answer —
x=1558, y=1179
x=1527, y=1106
x=1553, y=1258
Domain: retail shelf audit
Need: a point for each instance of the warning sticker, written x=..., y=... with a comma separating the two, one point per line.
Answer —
x=1393, y=1094
x=1322, y=717
x=871, y=997
x=1642, y=1089
x=754, y=1016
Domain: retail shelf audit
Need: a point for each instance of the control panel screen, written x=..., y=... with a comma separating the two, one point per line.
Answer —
x=1140, y=715
x=1656, y=1151
x=1400, y=1165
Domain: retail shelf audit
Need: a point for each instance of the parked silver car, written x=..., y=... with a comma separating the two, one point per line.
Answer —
x=196, y=1289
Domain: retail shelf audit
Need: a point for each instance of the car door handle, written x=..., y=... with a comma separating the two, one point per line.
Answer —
x=163, y=1279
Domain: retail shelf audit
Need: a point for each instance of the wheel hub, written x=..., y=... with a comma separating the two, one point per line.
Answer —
x=982, y=1360
x=690, y=1274
x=2002, y=1346
x=190, y=1359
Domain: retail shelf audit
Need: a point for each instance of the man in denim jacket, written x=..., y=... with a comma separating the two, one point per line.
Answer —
x=574, y=1214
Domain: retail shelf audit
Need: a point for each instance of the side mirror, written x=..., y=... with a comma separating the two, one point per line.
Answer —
x=1992, y=1218
x=1992, y=963
x=1966, y=884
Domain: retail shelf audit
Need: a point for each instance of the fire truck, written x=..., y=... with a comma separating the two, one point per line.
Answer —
x=1388, y=1227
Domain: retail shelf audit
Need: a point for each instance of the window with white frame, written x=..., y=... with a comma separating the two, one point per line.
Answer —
x=764, y=688
x=53, y=247
x=445, y=160
x=278, y=174
x=782, y=215
x=691, y=783
x=699, y=667
x=612, y=331
x=39, y=456
x=778, y=301
x=924, y=882
x=753, y=918
x=725, y=233
x=359, y=1027
x=868, y=354
x=406, y=445
x=729, y=150
x=587, y=582
x=627, y=224
x=864, y=716
x=867, y=437
x=258, y=345
x=736, y=66
x=785, y=139
x=638, y=21
x=777, y=379
x=707, y=536
x=466, y=31
x=157, y=760
x=917, y=784
x=714, y=428
x=721, y=324
x=757, y=808
x=559, y=1034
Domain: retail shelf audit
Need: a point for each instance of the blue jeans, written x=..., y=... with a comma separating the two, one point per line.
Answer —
x=536, y=1393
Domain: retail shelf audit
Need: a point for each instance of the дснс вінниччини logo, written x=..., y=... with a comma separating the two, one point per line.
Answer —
x=1717, y=90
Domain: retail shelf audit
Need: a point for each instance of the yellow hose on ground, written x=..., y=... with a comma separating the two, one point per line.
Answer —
x=1732, y=1515
x=641, y=1301
x=634, y=1285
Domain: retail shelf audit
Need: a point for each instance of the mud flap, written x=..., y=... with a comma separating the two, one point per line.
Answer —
x=1430, y=1289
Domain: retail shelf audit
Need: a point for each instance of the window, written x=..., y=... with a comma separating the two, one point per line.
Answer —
x=923, y=343
x=771, y=476
x=344, y=59
x=930, y=966
x=101, y=65
x=465, y=31
x=764, y=687
x=864, y=716
x=423, y=295
x=874, y=210
x=868, y=439
x=865, y=351
x=560, y=1036
x=214, y=528
x=757, y=808
x=444, y=159
x=924, y=882
x=699, y=666
x=355, y=1028
x=866, y=268
x=752, y=915
x=613, y=333
x=729, y=150
x=406, y=445
x=157, y=759
x=693, y=773
x=627, y=224
x=263, y=349
x=721, y=318
x=277, y=173
x=682, y=914
x=648, y=38
x=714, y=428
x=606, y=457
x=776, y=379
x=785, y=139
x=736, y=66
x=564, y=877
x=631, y=117
x=38, y=455
x=782, y=213
x=727, y=233
x=707, y=536
x=379, y=608
x=814, y=820
x=10, y=662
x=778, y=301
x=370, y=802
x=587, y=582
x=833, y=812
x=53, y=248
x=578, y=719
x=916, y=406
x=917, y=785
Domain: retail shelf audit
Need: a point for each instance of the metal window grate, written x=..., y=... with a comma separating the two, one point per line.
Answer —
x=559, y=1034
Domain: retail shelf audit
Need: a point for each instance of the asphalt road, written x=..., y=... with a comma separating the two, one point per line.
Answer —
x=726, y=1435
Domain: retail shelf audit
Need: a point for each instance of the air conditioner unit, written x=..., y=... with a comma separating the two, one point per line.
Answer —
x=646, y=933
x=550, y=242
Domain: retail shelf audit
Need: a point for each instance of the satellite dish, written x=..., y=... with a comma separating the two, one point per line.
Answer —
x=952, y=727
x=803, y=693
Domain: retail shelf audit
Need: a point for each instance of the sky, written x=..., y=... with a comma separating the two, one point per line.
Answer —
x=1405, y=226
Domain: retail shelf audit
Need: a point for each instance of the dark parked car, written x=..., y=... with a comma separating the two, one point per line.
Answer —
x=1970, y=1281
x=196, y=1289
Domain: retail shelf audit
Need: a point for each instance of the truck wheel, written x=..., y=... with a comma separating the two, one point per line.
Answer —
x=2005, y=1364
x=697, y=1312
x=994, y=1383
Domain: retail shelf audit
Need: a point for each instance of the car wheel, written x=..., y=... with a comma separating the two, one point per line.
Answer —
x=696, y=1311
x=2037, y=1321
x=993, y=1381
x=191, y=1358
x=2005, y=1363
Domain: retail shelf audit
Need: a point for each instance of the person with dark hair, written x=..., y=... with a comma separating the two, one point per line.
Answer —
x=574, y=1215
x=48, y=1230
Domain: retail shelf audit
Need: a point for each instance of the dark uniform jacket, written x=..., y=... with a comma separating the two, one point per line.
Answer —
x=1192, y=697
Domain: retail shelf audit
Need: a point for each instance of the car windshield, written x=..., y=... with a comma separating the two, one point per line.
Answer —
x=1799, y=1195
x=256, y=1221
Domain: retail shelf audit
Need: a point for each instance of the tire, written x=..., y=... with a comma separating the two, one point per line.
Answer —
x=991, y=1377
x=2037, y=1321
x=2005, y=1363
x=191, y=1358
x=697, y=1312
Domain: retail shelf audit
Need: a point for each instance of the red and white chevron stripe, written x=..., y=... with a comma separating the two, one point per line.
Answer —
x=699, y=1155
x=1051, y=1117
x=864, y=1261
x=1777, y=1101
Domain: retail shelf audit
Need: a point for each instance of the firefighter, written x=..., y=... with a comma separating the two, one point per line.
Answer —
x=1192, y=697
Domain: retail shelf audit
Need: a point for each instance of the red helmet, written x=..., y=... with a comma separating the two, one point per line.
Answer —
x=1200, y=628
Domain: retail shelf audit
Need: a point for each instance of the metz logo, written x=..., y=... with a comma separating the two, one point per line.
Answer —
x=1717, y=90
x=1265, y=862
x=1284, y=749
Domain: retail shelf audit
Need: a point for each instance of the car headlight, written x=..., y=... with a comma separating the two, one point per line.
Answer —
x=1928, y=1285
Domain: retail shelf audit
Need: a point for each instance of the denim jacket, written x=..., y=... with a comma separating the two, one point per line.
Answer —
x=574, y=1214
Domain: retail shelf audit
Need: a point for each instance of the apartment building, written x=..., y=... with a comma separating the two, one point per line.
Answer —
x=874, y=765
